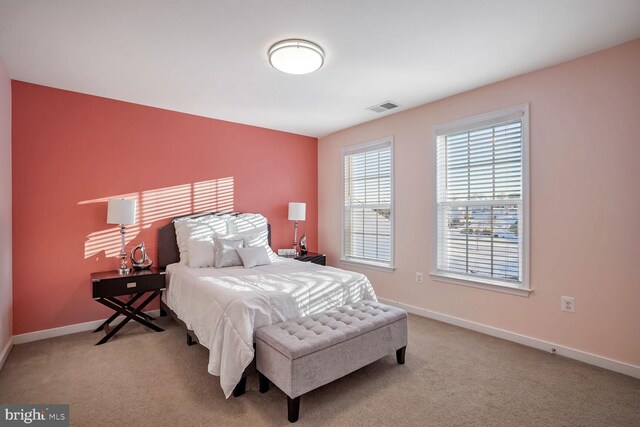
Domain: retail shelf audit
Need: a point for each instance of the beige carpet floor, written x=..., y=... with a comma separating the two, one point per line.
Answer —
x=453, y=377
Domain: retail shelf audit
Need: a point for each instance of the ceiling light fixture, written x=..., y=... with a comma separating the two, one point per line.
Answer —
x=296, y=56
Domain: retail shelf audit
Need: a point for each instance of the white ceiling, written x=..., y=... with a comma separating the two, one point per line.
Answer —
x=209, y=57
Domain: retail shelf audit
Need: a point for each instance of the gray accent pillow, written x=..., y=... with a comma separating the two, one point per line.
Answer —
x=225, y=252
x=252, y=257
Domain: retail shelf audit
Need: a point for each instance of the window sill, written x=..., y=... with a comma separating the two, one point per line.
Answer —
x=489, y=285
x=371, y=265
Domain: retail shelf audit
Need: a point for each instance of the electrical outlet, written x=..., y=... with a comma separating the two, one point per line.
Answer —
x=568, y=304
x=419, y=277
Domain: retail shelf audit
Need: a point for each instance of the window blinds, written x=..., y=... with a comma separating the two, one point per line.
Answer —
x=367, y=204
x=480, y=199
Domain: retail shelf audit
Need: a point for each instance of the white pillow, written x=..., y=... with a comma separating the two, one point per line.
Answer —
x=247, y=222
x=201, y=228
x=200, y=253
x=225, y=253
x=252, y=257
x=253, y=229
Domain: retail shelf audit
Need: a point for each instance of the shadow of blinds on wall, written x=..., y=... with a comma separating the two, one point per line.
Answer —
x=368, y=212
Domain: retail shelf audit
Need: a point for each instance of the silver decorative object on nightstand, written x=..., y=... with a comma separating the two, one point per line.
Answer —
x=303, y=244
x=142, y=262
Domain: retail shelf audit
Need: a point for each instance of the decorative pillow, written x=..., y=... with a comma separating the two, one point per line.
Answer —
x=252, y=257
x=201, y=228
x=200, y=253
x=253, y=229
x=225, y=253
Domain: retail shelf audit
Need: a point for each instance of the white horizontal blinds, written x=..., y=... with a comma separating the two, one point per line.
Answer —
x=480, y=201
x=367, y=203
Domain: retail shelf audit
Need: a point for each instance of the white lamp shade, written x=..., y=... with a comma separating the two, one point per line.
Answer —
x=297, y=211
x=121, y=211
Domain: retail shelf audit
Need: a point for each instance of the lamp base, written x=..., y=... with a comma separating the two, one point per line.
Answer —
x=123, y=255
x=295, y=237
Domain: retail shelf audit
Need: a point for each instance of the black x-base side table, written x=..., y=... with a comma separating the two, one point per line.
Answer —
x=109, y=285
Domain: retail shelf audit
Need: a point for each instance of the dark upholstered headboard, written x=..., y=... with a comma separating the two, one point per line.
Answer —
x=168, y=252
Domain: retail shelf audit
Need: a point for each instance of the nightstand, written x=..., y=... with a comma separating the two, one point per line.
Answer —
x=108, y=285
x=313, y=257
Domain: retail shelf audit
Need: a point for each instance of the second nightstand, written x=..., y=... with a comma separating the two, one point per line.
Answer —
x=313, y=257
x=108, y=285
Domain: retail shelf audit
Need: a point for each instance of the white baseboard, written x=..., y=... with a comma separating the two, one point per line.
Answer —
x=582, y=356
x=5, y=352
x=66, y=330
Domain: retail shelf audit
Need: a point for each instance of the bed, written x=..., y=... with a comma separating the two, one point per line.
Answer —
x=222, y=307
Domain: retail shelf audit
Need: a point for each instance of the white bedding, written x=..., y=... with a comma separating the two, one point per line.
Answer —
x=224, y=306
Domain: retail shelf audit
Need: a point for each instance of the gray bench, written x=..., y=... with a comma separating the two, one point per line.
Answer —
x=303, y=354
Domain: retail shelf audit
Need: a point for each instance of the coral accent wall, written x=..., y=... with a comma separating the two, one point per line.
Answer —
x=585, y=200
x=71, y=152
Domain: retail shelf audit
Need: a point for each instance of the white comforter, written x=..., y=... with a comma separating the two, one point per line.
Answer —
x=224, y=306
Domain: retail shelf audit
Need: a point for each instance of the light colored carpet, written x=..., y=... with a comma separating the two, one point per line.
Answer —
x=453, y=377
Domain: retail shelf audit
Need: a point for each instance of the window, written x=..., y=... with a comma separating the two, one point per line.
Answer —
x=368, y=203
x=482, y=200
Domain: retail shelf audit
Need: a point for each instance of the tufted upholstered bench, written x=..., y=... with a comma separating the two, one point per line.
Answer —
x=302, y=354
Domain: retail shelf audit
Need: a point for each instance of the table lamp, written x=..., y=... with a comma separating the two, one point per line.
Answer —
x=297, y=212
x=122, y=212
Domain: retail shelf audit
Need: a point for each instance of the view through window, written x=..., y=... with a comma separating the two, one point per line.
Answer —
x=368, y=215
x=480, y=199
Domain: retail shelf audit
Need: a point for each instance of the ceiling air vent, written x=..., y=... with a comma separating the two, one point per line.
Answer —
x=385, y=106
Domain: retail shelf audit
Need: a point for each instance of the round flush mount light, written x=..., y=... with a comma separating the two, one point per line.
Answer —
x=296, y=56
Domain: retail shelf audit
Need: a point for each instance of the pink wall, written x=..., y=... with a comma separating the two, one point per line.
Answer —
x=72, y=151
x=6, y=299
x=585, y=200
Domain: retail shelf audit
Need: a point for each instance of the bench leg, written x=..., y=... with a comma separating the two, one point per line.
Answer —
x=190, y=340
x=400, y=355
x=264, y=383
x=241, y=387
x=293, y=406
